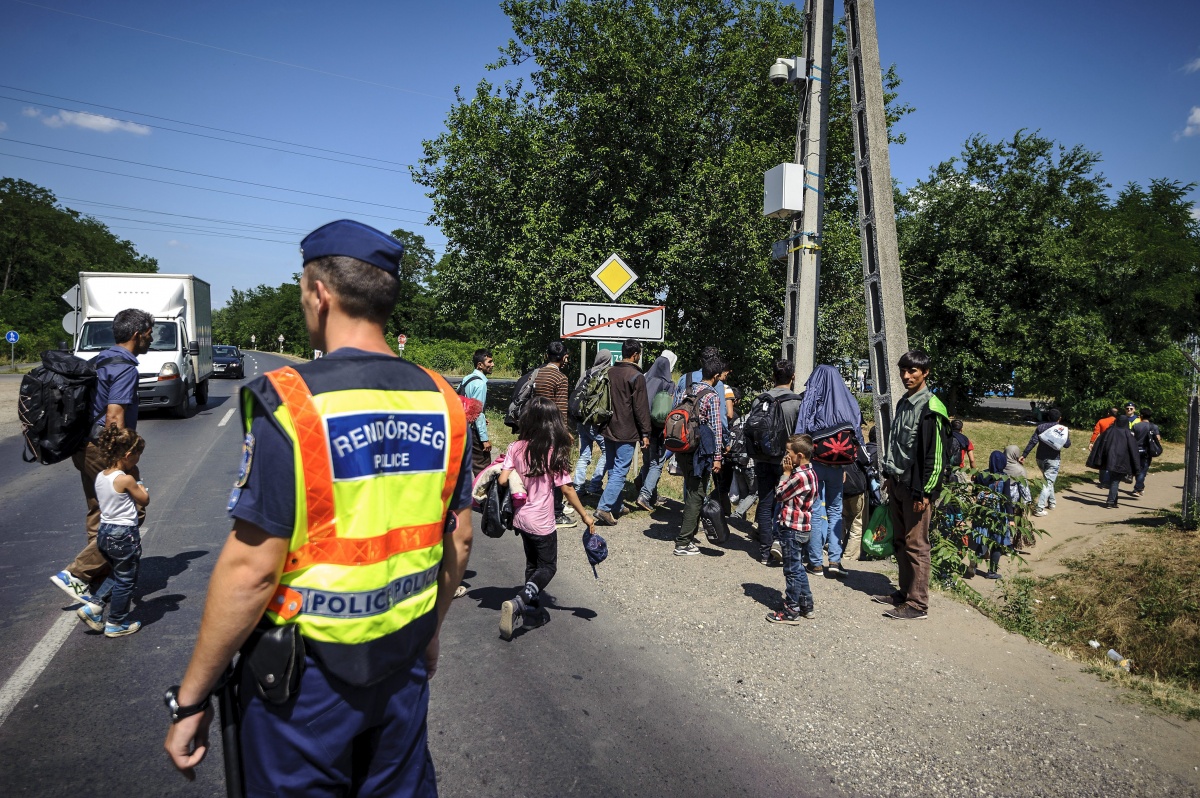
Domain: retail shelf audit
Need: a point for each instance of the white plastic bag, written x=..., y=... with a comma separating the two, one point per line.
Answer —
x=1055, y=437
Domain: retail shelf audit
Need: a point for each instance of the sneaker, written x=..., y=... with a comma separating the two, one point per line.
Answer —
x=562, y=521
x=568, y=510
x=1040, y=512
x=992, y=575
x=604, y=518
x=837, y=570
x=814, y=569
x=1110, y=505
x=906, y=612
x=645, y=504
x=460, y=591
x=535, y=617
x=74, y=587
x=512, y=617
x=776, y=555
x=92, y=615
x=1137, y=494
x=121, y=629
x=788, y=615
x=1051, y=506
x=891, y=599
x=686, y=551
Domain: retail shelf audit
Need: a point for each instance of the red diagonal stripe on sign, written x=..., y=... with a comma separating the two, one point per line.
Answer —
x=614, y=321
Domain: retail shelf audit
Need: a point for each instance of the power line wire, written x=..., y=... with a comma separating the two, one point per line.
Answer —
x=210, y=177
x=206, y=188
x=262, y=227
x=227, y=50
x=192, y=232
x=197, y=124
x=214, y=138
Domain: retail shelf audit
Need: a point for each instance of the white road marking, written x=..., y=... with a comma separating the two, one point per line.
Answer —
x=20, y=682
x=227, y=416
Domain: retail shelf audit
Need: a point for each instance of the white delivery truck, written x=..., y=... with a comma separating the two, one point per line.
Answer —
x=180, y=360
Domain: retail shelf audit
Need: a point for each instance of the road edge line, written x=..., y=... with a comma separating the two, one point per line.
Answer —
x=23, y=678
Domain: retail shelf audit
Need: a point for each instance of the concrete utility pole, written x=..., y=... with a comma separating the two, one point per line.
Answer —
x=887, y=328
x=804, y=245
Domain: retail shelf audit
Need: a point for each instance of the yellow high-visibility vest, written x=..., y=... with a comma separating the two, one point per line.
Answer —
x=374, y=473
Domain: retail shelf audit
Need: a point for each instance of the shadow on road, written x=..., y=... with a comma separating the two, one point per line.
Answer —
x=769, y=597
x=490, y=598
x=156, y=572
x=867, y=582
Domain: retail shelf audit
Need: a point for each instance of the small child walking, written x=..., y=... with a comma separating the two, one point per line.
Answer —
x=119, y=494
x=541, y=459
x=793, y=526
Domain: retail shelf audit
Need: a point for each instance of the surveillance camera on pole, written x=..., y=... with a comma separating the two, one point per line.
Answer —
x=784, y=70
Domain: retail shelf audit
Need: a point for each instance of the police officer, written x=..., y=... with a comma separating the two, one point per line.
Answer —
x=352, y=527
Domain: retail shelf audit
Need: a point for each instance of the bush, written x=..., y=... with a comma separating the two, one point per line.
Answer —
x=451, y=357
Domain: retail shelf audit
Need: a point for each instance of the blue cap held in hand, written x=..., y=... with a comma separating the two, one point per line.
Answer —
x=356, y=240
x=596, y=549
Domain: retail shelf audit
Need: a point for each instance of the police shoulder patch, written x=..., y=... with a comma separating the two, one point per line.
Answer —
x=247, y=461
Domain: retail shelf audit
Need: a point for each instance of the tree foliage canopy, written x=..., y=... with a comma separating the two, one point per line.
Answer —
x=1015, y=260
x=43, y=247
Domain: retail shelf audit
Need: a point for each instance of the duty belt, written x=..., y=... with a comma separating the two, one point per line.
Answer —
x=289, y=601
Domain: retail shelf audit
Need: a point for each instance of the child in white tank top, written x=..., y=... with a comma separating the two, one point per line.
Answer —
x=119, y=540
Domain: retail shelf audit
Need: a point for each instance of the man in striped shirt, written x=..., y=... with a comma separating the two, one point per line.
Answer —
x=695, y=467
x=553, y=383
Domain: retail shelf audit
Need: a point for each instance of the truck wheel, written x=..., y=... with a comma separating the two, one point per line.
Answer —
x=181, y=410
x=202, y=393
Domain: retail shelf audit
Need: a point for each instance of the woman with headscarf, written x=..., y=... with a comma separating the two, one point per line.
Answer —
x=658, y=380
x=1001, y=492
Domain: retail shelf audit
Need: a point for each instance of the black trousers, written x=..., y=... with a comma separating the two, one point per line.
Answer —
x=541, y=558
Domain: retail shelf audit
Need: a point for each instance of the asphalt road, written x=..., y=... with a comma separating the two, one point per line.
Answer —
x=586, y=705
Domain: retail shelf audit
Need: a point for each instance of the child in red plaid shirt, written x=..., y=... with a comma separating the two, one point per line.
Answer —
x=793, y=525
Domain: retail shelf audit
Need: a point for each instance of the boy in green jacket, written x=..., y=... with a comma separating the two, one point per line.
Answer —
x=913, y=467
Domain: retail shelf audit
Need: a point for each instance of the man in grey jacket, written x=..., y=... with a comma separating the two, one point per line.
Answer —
x=630, y=424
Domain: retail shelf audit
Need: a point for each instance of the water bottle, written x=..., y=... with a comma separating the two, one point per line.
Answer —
x=1122, y=663
x=518, y=500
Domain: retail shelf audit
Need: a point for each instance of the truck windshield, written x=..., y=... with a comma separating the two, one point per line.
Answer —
x=98, y=335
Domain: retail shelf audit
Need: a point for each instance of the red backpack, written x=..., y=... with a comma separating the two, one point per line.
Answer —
x=681, y=431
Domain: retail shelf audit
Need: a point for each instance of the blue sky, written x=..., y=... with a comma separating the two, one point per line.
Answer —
x=371, y=80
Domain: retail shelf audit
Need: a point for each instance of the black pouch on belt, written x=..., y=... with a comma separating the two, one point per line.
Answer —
x=275, y=658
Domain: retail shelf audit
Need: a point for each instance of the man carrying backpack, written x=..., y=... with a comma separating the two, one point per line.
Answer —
x=701, y=462
x=780, y=410
x=588, y=433
x=551, y=381
x=114, y=402
x=630, y=425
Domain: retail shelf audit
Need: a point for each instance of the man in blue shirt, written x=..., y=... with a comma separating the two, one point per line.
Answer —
x=698, y=376
x=115, y=402
x=474, y=386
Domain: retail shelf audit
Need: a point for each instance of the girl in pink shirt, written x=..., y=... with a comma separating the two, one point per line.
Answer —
x=541, y=459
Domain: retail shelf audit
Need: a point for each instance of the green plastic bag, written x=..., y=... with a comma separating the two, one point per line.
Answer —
x=877, y=535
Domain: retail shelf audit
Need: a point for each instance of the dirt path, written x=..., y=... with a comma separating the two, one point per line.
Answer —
x=949, y=706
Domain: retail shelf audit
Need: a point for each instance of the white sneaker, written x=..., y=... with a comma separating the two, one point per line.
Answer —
x=569, y=510
x=69, y=584
x=1041, y=512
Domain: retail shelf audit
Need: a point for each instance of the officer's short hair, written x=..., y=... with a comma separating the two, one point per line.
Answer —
x=363, y=291
x=130, y=322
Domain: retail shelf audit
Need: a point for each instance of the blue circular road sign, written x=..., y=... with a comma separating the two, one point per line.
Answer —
x=12, y=337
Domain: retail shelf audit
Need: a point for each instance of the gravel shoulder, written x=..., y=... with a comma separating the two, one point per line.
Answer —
x=951, y=706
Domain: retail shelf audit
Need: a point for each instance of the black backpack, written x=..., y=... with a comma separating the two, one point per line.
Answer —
x=767, y=430
x=55, y=406
x=522, y=393
x=465, y=383
x=957, y=448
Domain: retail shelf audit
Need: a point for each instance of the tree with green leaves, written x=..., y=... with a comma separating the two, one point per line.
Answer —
x=1016, y=261
x=43, y=247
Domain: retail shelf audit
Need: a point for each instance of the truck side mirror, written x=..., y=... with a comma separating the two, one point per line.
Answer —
x=194, y=348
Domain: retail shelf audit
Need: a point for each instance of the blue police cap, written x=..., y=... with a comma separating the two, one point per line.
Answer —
x=356, y=240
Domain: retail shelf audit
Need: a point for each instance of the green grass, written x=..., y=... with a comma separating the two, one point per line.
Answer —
x=1139, y=595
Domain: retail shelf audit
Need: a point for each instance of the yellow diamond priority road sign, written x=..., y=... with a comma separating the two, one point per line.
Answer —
x=614, y=276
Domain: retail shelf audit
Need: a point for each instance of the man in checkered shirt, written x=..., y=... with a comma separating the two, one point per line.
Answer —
x=793, y=525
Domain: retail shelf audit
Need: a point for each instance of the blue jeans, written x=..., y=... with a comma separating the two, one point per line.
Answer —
x=617, y=459
x=1143, y=469
x=587, y=436
x=122, y=550
x=652, y=466
x=768, y=477
x=797, y=592
x=1049, y=473
x=826, y=515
